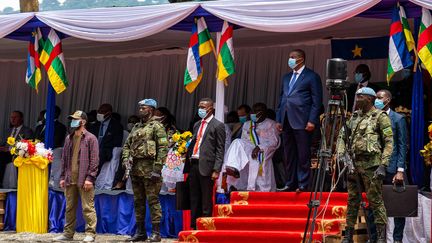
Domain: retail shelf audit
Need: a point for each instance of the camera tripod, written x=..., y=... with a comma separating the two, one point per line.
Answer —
x=334, y=120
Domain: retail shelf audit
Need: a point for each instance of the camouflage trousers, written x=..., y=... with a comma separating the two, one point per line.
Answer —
x=373, y=189
x=145, y=189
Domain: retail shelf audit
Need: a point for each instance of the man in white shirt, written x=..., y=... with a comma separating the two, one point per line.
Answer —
x=250, y=157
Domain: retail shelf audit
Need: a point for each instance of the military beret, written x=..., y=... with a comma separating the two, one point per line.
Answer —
x=148, y=102
x=366, y=91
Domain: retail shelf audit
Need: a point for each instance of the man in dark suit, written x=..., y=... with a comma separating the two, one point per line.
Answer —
x=396, y=168
x=204, y=160
x=18, y=131
x=362, y=76
x=298, y=116
x=59, y=129
x=109, y=133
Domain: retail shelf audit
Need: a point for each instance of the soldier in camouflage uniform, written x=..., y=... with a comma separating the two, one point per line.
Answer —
x=144, y=153
x=370, y=139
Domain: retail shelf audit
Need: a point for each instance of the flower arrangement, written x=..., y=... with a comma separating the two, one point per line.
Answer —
x=426, y=153
x=30, y=152
x=182, y=141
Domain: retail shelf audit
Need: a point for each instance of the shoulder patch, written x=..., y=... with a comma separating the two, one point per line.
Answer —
x=388, y=131
x=163, y=140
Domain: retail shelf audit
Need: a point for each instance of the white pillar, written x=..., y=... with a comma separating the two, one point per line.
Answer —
x=220, y=101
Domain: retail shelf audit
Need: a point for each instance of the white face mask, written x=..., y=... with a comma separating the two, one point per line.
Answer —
x=100, y=117
x=130, y=126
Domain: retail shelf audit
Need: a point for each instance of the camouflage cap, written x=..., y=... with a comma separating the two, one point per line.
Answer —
x=148, y=102
x=366, y=91
x=78, y=115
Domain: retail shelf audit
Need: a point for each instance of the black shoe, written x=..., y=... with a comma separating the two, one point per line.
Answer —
x=140, y=234
x=232, y=172
x=285, y=189
x=155, y=236
x=301, y=189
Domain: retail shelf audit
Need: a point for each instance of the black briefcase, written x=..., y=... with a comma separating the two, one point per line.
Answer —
x=182, y=195
x=401, y=200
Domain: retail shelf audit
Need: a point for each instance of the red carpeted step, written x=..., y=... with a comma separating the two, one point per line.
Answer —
x=228, y=236
x=283, y=198
x=267, y=224
x=274, y=211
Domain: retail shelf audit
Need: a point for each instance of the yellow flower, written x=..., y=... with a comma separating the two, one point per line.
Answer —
x=176, y=137
x=11, y=141
x=180, y=150
x=186, y=135
x=13, y=150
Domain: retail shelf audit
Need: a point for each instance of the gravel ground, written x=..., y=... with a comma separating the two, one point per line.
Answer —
x=30, y=237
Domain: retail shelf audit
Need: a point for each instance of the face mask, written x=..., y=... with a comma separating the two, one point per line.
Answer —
x=253, y=117
x=100, y=117
x=130, y=126
x=202, y=113
x=243, y=119
x=379, y=104
x=358, y=77
x=292, y=63
x=75, y=123
x=45, y=116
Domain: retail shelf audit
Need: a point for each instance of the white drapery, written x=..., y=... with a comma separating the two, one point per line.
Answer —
x=287, y=16
x=131, y=23
x=117, y=24
x=423, y=3
x=11, y=22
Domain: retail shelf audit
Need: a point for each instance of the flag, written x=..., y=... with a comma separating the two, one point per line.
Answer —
x=362, y=48
x=225, y=50
x=424, y=45
x=399, y=56
x=53, y=61
x=406, y=29
x=33, y=73
x=200, y=44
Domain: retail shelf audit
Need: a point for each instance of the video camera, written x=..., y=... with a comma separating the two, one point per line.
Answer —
x=336, y=75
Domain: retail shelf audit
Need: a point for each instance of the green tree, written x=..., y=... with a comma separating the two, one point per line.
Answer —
x=78, y=4
x=8, y=10
x=48, y=5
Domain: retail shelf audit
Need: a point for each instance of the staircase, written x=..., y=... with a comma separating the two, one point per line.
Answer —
x=268, y=217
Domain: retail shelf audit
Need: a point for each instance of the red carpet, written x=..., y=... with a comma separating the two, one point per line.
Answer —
x=268, y=217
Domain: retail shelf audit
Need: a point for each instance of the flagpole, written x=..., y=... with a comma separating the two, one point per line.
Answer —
x=220, y=101
x=50, y=116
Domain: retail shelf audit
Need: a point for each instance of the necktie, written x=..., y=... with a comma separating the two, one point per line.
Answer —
x=101, y=132
x=14, y=130
x=291, y=84
x=200, y=133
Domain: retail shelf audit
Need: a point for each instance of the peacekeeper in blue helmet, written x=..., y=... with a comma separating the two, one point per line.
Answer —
x=370, y=145
x=144, y=153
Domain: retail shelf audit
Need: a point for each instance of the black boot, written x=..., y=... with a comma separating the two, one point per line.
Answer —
x=140, y=234
x=348, y=238
x=155, y=236
x=381, y=233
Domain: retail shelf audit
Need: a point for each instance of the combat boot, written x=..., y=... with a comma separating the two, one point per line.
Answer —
x=140, y=234
x=348, y=238
x=381, y=233
x=155, y=236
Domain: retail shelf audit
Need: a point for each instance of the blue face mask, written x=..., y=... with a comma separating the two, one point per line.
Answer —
x=358, y=77
x=292, y=63
x=253, y=117
x=75, y=123
x=379, y=104
x=243, y=119
x=202, y=113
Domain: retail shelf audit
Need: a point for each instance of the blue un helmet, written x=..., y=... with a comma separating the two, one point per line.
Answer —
x=148, y=102
x=366, y=91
